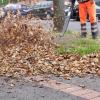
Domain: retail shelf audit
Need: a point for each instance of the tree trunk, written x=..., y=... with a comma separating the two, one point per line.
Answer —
x=58, y=15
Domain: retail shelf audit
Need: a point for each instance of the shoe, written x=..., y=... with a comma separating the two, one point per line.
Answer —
x=83, y=35
x=94, y=35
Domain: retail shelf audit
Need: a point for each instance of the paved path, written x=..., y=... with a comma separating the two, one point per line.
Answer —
x=50, y=88
x=87, y=94
x=75, y=26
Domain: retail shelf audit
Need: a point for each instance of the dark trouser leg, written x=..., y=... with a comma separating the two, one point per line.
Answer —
x=83, y=30
x=94, y=30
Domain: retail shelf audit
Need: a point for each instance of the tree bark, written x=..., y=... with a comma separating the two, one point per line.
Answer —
x=58, y=19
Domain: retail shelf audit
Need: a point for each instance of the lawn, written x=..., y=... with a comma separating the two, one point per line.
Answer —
x=72, y=43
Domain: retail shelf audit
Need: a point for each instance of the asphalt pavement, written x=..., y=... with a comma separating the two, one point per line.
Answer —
x=12, y=89
x=75, y=26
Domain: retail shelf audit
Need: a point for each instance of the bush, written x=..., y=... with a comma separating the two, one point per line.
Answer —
x=4, y=2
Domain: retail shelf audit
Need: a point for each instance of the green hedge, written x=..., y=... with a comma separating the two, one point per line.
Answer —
x=4, y=2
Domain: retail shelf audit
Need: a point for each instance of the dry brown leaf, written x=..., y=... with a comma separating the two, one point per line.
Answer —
x=26, y=49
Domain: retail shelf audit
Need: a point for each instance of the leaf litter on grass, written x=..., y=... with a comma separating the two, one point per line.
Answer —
x=29, y=50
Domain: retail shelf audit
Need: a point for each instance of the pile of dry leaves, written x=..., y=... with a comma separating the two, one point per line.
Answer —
x=28, y=50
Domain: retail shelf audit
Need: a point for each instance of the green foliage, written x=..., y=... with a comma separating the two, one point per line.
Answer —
x=61, y=49
x=14, y=1
x=69, y=32
x=4, y=2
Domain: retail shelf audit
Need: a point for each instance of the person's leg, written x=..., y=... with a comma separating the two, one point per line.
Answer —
x=83, y=16
x=92, y=16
